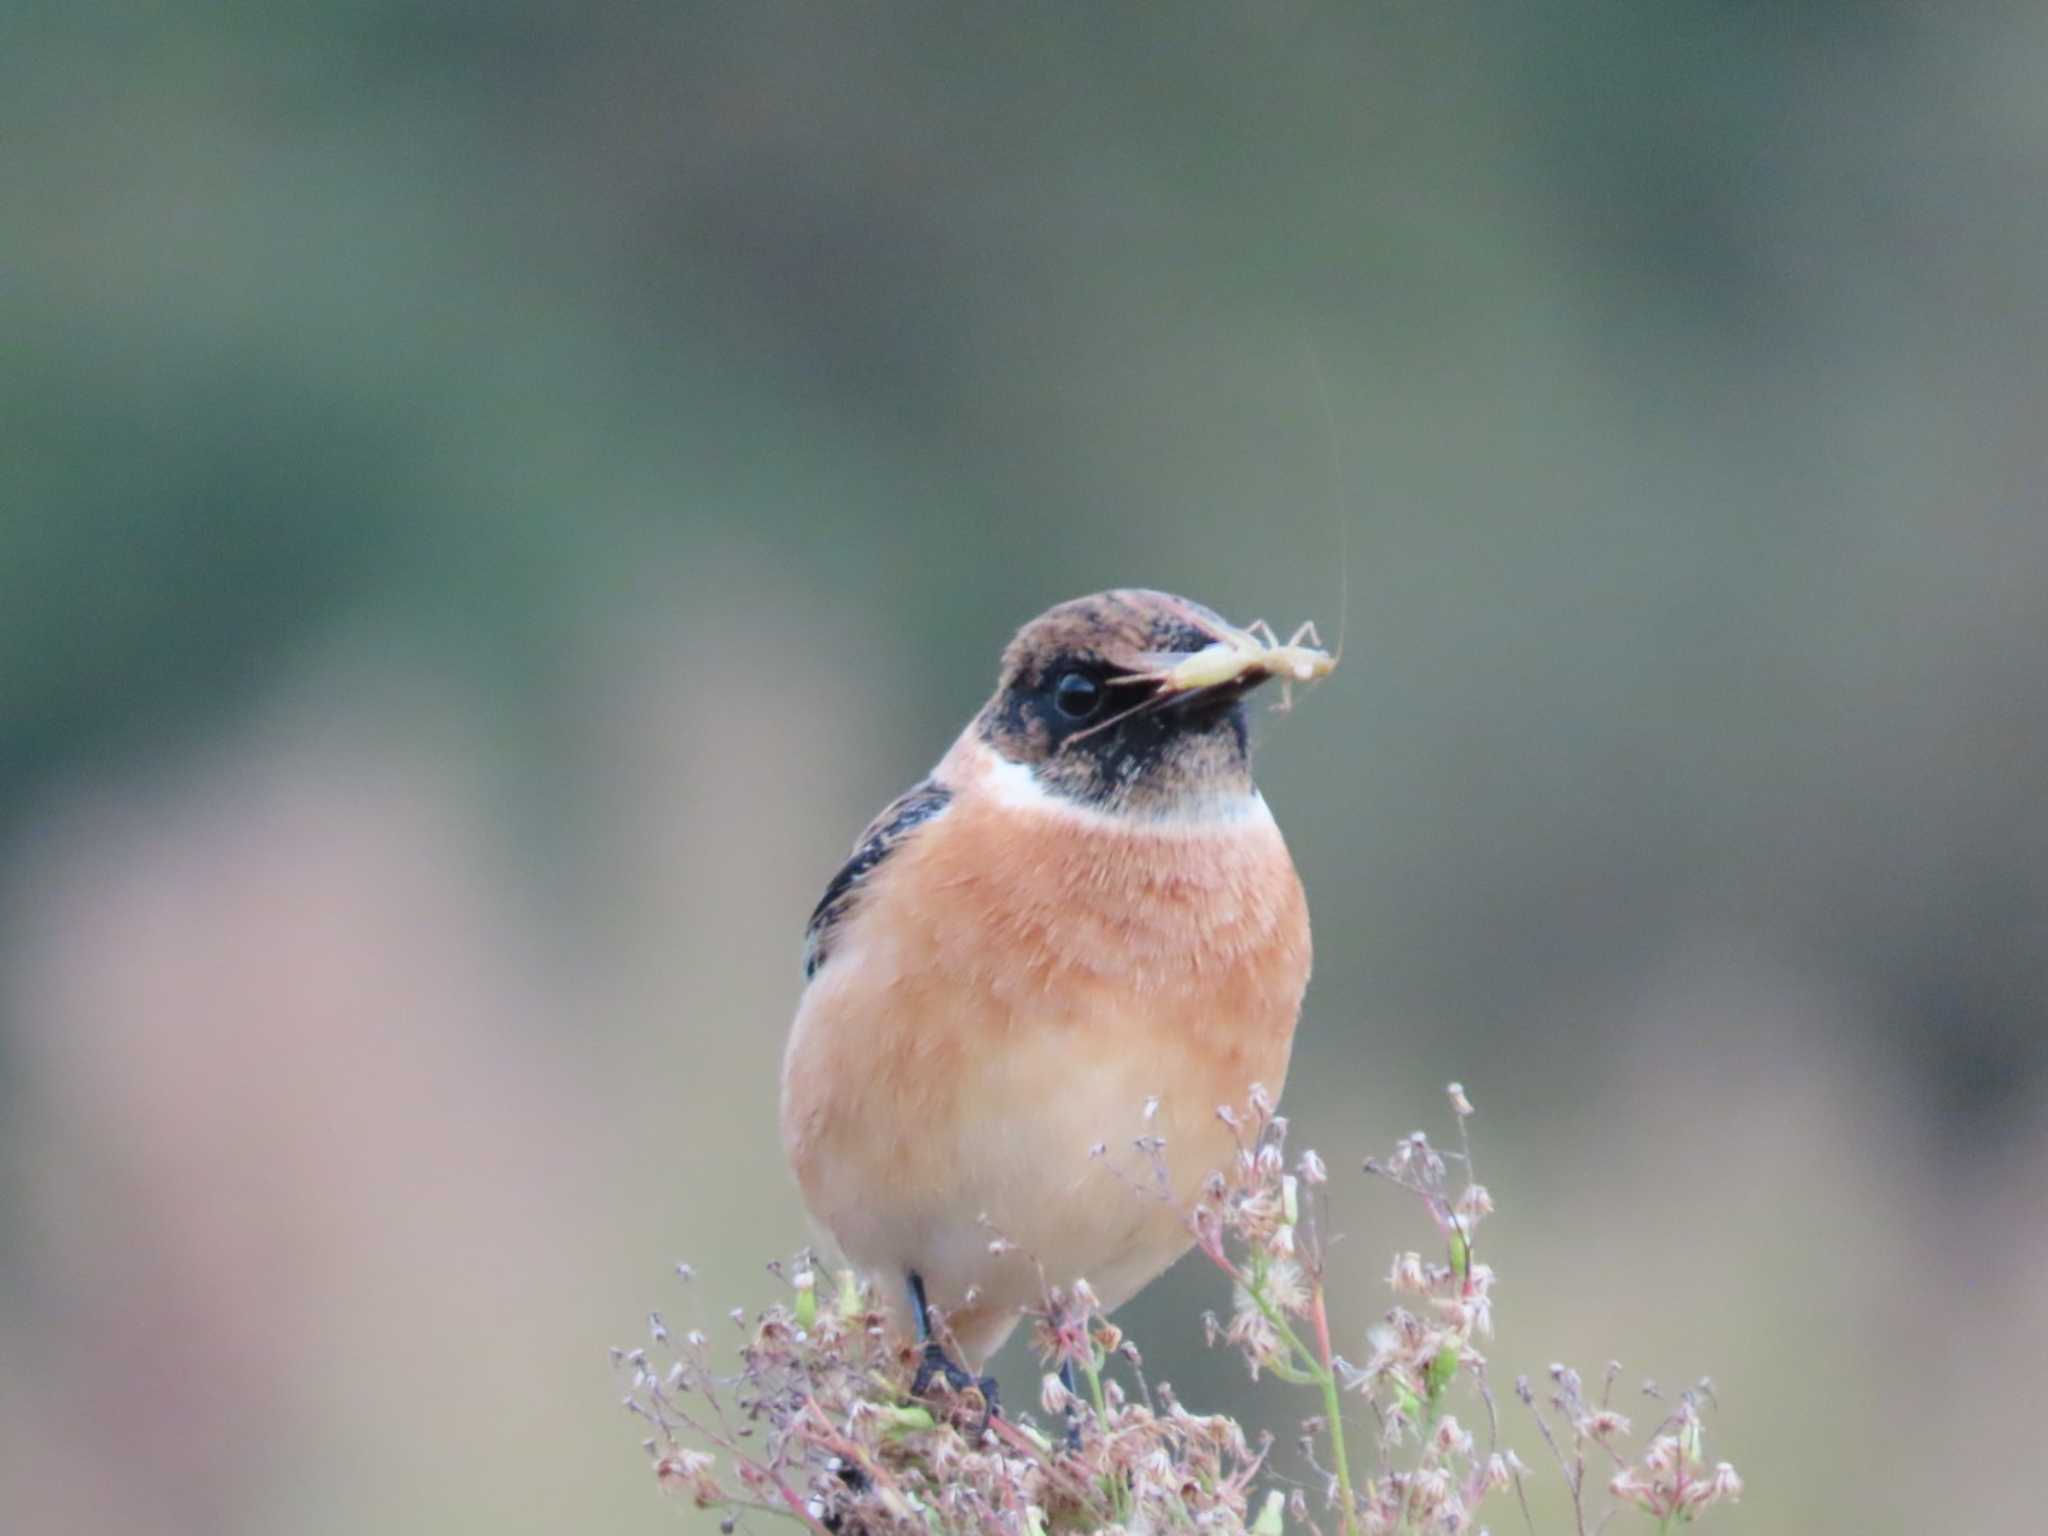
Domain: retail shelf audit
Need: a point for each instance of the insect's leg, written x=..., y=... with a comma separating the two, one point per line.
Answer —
x=1306, y=632
x=1262, y=632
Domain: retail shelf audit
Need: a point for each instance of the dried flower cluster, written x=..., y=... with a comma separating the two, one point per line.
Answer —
x=815, y=1424
x=1668, y=1480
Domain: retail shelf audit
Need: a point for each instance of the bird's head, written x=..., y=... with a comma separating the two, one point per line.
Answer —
x=1088, y=706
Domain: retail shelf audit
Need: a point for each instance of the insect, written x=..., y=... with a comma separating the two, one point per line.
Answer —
x=1254, y=648
x=1235, y=652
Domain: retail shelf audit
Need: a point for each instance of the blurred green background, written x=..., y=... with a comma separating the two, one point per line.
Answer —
x=496, y=495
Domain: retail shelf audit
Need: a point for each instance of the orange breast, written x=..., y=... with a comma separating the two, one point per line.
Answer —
x=1016, y=985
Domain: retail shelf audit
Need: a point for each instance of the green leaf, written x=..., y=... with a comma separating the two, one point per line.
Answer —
x=1441, y=1370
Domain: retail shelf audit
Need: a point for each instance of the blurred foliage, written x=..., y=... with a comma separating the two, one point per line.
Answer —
x=1684, y=365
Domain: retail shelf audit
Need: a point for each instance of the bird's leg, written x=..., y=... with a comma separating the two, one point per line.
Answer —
x=937, y=1364
x=1073, y=1399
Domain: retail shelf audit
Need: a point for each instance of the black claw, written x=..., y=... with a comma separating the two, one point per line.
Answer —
x=938, y=1365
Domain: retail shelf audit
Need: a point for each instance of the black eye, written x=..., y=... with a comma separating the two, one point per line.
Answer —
x=1077, y=695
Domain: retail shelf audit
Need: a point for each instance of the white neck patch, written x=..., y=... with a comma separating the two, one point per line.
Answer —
x=1015, y=787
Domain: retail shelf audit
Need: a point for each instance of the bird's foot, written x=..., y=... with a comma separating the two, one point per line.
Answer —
x=937, y=1365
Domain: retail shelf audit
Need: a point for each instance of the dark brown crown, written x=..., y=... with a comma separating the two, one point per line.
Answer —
x=1143, y=752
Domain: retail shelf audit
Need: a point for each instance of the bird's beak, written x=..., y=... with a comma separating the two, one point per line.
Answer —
x=1217, y=697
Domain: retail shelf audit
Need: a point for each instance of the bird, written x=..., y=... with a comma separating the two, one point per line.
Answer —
x=1082, y=931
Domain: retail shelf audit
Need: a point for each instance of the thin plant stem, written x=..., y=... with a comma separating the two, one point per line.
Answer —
x=1332, y=1408
x=1112, y=1485
x=1318, y=1367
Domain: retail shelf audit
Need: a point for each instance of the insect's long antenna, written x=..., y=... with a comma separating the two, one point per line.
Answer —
x=1157, y=701
x=1143, y=706
x=1336, y=477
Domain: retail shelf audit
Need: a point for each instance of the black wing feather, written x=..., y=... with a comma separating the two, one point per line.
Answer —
x=907, y=812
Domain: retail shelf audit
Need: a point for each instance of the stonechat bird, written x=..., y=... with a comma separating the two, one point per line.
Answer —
x=1083, y=931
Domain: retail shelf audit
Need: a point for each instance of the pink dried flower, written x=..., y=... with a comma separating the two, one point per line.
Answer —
x=1670, y=1479
x=1287, y=1287
x=1251, y=1332
x=1603, y=1424
x=1427, y=1492
x=1663, y=1456
x=1053, y=1395
x=688, y=1471
x=1407, y=1275
x=1628, y=1484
